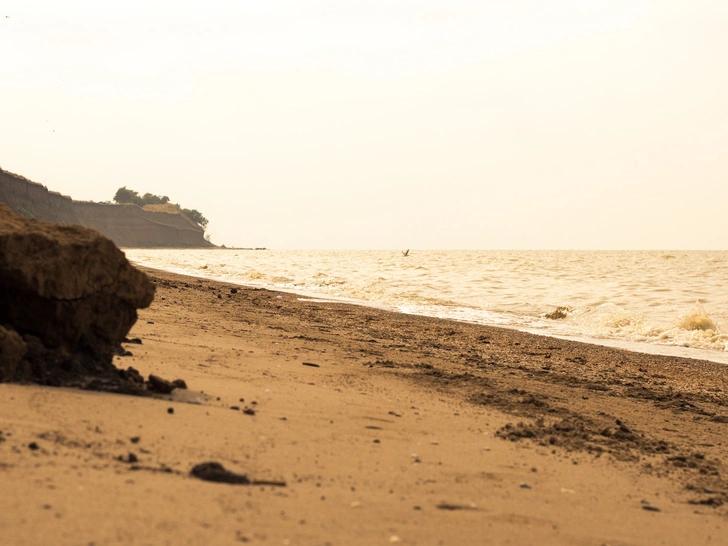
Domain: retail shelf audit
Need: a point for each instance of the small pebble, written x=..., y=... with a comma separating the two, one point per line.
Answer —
x=131, y=458
x=170, y=410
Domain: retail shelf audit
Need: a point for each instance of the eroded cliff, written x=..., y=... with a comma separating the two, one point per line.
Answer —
x=126, y=225
x=68, y=297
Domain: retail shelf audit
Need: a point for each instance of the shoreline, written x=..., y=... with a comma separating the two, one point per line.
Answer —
x=692, y=353
x=386, y=428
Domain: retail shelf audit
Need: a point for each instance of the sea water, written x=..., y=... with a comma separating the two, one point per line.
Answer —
x=665, y=302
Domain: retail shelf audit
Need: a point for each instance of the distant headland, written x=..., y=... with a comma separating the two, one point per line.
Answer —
x=134, y=221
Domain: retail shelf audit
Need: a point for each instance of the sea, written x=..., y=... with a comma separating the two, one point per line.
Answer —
x=660, y=302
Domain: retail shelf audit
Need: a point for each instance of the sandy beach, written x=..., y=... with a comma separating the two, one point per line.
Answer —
x=360, y=426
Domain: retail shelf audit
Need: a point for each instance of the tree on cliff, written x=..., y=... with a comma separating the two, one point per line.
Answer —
x=124, y=195
x=195, y=216
x=150, y=199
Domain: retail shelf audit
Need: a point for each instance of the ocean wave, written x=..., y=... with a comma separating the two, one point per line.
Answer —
x=697, y=319
x=647, y=297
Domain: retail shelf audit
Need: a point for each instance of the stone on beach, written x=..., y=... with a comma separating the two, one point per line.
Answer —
x=68, y=297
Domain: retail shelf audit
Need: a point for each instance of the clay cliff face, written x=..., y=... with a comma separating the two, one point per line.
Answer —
x=126, y=225
x=68, y=296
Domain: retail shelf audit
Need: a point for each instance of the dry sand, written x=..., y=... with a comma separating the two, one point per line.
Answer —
x=385, y=429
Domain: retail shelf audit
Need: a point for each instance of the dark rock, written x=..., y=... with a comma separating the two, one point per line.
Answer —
x=71, y=295
x=130, y=458
x=120, y=351
x=179, y=384
x=162, y=386
x=215, y=472
x=558, y=313
x=452, y=507
x=12, y=351
x=132, y=374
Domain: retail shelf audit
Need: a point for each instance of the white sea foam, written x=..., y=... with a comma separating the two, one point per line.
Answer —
x=667, y=302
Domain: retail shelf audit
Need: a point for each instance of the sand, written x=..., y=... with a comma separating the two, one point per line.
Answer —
x=366, y=427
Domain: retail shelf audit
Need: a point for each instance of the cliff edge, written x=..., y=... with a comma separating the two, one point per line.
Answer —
x=126, y=225
x=68, y=297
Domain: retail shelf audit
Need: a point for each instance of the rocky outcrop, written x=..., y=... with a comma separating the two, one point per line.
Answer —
x=12, y=351
x=68, y=297
x=127, y=225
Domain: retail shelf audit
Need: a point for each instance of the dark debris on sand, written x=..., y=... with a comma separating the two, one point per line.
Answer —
x=215, y=472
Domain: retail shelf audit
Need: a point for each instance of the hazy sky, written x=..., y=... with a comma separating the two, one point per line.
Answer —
x=522, y=124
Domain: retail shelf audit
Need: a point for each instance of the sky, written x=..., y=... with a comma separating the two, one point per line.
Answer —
x=382, y=124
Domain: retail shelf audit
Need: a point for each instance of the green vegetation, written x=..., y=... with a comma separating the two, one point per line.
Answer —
x=125, y=195
x=195, y=216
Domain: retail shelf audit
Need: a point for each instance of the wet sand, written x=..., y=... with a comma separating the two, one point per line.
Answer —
x=360, y=426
